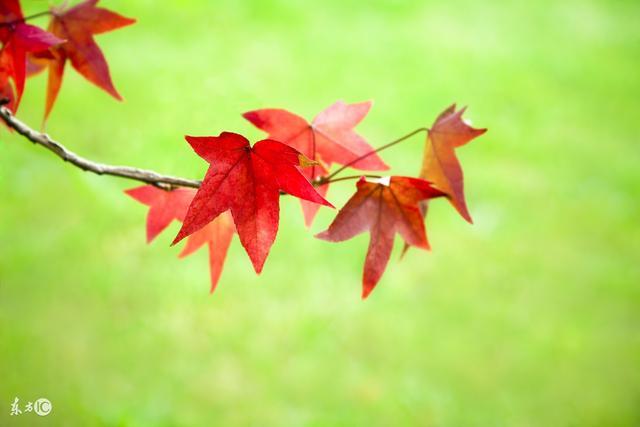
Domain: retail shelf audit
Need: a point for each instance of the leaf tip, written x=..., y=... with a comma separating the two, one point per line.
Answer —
x=258, y=266
x=323, y=235
x=253, y=117
x=367, y=288
x=181, y=235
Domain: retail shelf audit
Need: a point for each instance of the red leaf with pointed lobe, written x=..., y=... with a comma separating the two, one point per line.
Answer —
x=247, y=180
x=77, y=26
x=167, y=206
x=383, y=208
x=440, y=163
x=18, y=39
x=329, y=138
x=217, y=236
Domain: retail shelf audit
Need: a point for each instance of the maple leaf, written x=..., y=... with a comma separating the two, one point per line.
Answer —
x=329, y=138
x=440, y=164
x=383, y=207
x=18, y=39
x=167, y=206
x=247, y=180
x=77, y=26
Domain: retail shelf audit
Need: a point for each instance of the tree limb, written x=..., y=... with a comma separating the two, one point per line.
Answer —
x=166, y=182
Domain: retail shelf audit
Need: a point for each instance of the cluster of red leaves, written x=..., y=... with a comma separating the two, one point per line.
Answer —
x=329, y=138
x=241, y=190
x=247, y=181
x=27, y=49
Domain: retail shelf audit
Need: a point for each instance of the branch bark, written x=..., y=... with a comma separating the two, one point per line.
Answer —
x=166, y=182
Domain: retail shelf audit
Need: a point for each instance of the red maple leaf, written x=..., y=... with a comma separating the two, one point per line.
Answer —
x=384, y=207
x=247, y=180
x=19, y=38
x=329, y=138
x=167, y=206
x=440, y=164
x=77, y=26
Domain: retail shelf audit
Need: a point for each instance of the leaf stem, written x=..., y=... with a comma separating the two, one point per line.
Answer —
x=26, y=18
x=328, y=178
x=344, y=178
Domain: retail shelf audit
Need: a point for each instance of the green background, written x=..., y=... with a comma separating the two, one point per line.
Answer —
x=527, y=318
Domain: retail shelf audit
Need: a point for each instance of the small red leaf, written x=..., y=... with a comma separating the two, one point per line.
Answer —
x=440, y=164
x=77, y=26
x=19, y=39
x=384, y=207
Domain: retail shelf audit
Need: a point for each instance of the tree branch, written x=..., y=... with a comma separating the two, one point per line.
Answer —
x=166, y=182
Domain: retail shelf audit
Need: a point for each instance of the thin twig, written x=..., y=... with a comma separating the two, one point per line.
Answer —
x=150, y=177
x=328, y=179
x=344, y=178
x=25, y=19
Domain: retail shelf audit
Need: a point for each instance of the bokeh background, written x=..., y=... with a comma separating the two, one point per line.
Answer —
x=527, y=318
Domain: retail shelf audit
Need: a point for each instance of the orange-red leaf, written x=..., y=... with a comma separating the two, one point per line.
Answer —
x=246, y=180
x=329, y=138
x=167, y=206
x=18, y=39
x=383, y=208
x=440, y=164
x=77, y=26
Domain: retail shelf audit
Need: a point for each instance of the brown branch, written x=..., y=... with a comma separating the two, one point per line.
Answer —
x=150, y=177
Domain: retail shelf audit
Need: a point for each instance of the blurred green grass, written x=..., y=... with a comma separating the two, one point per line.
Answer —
x=527, y=318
